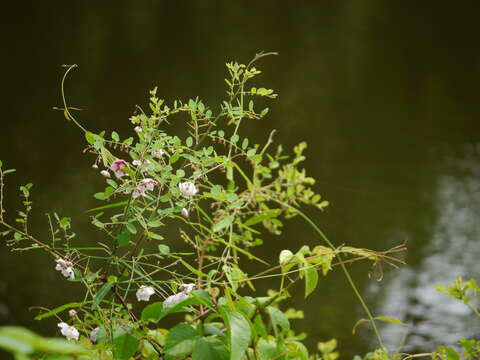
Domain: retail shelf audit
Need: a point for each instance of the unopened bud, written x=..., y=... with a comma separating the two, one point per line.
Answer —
x=105, y=173
x=72, y=313
x=95, y=166
x=185, y=212
x=138, y=129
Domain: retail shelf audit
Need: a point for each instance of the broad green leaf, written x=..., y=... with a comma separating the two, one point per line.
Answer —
x=268, y=349
x=125, y=346
x=90, y=137
x=17, y=340
x=180, y=341
x=240, y=333
x=311, y=278
x=123, y=238
x=209, y=349
x=115, y=136
x=222, y=224
x=278, y=319
x=104, y=290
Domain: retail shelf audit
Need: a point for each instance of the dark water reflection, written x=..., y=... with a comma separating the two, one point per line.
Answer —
x=384, y=92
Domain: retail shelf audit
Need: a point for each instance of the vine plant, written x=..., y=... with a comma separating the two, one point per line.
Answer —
x=222, y=193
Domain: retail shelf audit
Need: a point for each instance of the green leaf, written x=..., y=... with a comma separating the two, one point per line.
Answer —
x=125, y=346
x=189, y=141
x=278, y=319
x=90, y=137
x=311, y=278
x=115, y=136
x=244, y=143
x=234, y=139
x=104, y=290
x=211, y=349
x=390, y=320
x=164, y=249
x=180, y=173
x=131, y=228
x=180, y=341
x=121, y=203
x=173, y=159
x=240, y=333
x=222, y=224
x=9, y=171
x=52, y=312
x=1, y=163
x=268, y=350
x=123, y=239
x=17, y=340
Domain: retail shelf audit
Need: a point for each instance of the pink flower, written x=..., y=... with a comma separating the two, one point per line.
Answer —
x=118, y=167
x=145, y=184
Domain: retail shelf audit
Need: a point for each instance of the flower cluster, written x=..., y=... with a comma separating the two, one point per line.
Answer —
x=179, y=297
x=65, y=267
x=188, y=188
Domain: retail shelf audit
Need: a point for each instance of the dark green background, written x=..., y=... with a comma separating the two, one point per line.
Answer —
x=385, y=93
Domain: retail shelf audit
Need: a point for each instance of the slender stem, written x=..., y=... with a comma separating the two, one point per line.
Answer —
x=67, y=113
x=344, y=268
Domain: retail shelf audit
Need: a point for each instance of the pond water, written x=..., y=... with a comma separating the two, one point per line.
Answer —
x=385, y=93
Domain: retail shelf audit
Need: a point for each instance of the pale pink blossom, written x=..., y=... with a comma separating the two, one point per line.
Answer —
x=65, y=267
x=72, y=313
x=118, y=167
x=144, y=293
x=188, y=188
x=145, y=184
x=138, y=129
x=70, y=332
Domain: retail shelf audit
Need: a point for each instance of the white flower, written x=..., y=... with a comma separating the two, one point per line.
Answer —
x=144, y=293
x=138, y=129
x=105, y=173
x=187, y=288
x=174, y=299
x=185, y=212
x=93, y=335
x=70, y=332
x=65, y=267
x=179, y=297
x=188, y=188
x=139, y=162
x=72, y=313
x=158, y=153
x=118, y=167
x=94, y=166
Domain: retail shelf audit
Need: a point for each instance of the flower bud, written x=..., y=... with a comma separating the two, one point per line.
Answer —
x=105, y=173
x=72, y=313
x=185, y=212
x=95, y=166
x=138, y=129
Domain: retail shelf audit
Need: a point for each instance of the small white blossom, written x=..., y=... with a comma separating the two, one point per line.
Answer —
x=138, y=129
x=144, y=293
x=65, y=267
x=95, y=166
x=105, y=173
x=174, y=299
x=70, y=332
x=93, y=335
x=145, y=168
x=187, y=288
x=118, y=167
x=72, y=313
x=185, y=212
x=188, y=188
x=158, y=153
